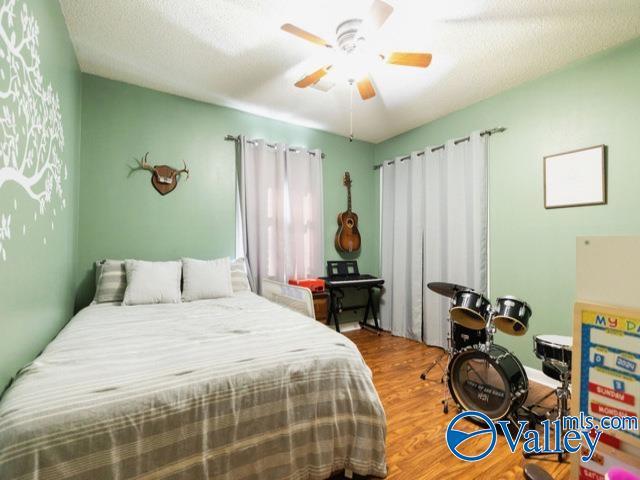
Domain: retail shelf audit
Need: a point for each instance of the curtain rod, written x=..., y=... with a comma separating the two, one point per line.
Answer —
x=440, y=147
x=231, y=138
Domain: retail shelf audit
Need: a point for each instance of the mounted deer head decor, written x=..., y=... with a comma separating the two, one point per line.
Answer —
x=164, y=178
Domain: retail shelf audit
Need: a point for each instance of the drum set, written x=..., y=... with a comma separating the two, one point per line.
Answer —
x=481, y=375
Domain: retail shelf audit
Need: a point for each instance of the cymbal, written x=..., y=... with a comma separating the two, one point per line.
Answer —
x=446, y=289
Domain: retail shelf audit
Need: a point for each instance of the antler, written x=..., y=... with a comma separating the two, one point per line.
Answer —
x=184, y=170
x=144, y=165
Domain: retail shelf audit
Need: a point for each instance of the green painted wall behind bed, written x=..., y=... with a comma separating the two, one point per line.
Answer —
x=123, y=216
x=594, y=101
x=37, y=278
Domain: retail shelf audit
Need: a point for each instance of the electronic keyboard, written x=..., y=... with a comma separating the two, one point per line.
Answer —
x=344, y=274
x=352, y=280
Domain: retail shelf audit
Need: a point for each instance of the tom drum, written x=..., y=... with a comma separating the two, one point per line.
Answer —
x=470, y=309
x=511, y=315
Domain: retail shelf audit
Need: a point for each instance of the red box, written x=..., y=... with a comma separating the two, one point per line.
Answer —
x=313, y=284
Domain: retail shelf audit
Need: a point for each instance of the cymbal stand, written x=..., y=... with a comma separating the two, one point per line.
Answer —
x=490, y=328
x=436, y=363
x=446, y=394
x=444, y=379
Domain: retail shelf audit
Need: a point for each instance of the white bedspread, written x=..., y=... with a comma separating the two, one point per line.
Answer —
x=235, y=388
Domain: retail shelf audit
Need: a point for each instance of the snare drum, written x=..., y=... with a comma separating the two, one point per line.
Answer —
x=512, y=315
x=553, y=348
x=470, y=309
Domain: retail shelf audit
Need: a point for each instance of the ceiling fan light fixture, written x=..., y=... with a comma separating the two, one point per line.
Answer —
x=361, y=62
x=356, y=62
x=347, y=34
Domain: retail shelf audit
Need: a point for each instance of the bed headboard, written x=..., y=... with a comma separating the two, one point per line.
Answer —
x=299, y=299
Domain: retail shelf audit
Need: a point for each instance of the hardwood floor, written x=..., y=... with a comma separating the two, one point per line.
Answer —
x=416, y=448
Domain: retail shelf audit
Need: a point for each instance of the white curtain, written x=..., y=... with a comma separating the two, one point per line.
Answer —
x=402, y=200
x=279, y=211
x=305, y=248
x=434, y=228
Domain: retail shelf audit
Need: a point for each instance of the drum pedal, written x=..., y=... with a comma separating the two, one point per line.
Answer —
x=559, y=411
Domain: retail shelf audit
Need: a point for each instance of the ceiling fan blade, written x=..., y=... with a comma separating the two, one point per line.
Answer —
x=313, y=77
x=365, y=87
x=378, y=14
x=410, y=59
x=298, y=32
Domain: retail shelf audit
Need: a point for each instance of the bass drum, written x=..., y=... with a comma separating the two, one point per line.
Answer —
x=492, y=382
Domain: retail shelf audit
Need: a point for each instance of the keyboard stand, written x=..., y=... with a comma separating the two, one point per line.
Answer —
x=371, y=304
x=336, y=294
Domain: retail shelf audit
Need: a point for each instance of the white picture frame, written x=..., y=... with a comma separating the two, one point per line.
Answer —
x=576, y=178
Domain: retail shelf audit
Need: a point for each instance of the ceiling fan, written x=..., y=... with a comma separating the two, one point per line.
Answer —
x=352, y=41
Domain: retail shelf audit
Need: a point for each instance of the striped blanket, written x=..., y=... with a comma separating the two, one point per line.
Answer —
x=234, y=388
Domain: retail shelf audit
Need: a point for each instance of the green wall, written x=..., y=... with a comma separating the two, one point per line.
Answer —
x=36, y=279
x=594, y=101
x=111, y=212
x=122, y=216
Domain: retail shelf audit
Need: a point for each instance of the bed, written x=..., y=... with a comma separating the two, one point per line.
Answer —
x=232, y=388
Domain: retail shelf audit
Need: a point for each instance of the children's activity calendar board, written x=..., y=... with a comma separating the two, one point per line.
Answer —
x=606, y=348
x=608, y=373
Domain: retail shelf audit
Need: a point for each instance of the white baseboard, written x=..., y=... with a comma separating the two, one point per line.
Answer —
x=537, y=376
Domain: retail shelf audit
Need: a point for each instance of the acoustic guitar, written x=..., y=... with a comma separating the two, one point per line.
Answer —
x=348, y=236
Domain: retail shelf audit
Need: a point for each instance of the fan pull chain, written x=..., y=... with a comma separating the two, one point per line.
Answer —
x=351, y=110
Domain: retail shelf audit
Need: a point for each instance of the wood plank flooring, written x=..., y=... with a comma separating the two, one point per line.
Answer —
x=416, y=448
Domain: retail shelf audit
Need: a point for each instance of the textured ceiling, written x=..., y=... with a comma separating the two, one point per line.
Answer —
x=233, y=53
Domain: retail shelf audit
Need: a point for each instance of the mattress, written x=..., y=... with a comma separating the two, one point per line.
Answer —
x=233, y=388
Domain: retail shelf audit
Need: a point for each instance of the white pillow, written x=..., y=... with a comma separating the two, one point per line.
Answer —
x=239, y=278
x=152, y=282
x=202, y=279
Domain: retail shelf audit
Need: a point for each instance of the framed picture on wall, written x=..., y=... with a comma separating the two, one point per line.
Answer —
x=576, y=178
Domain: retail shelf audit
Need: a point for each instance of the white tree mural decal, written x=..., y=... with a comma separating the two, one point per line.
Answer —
x=31, y=133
